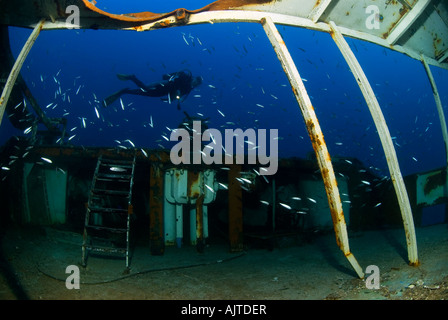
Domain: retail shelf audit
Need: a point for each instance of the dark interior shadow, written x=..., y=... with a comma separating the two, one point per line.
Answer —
x=8, y=273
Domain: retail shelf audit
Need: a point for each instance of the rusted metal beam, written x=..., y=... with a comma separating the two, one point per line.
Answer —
x=435, y=92
x=20, y=118
x=386, y=141
x=17, y=67
x=235, y=209
x=318, y=10
x=317, y=140
x=156, y=198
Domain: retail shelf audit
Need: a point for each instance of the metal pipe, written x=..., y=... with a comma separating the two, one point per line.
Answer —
x=179, y=225
x=17, y=67
x=156, y=197
x=435, y=91
x=317, y=140
x=385, y=138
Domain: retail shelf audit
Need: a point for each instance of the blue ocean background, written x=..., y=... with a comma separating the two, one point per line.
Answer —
x=244, y=87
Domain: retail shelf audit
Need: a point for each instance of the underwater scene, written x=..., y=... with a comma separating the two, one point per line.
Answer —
x=112, y=159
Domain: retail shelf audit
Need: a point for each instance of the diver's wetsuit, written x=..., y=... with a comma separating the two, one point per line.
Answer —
x=174, y=86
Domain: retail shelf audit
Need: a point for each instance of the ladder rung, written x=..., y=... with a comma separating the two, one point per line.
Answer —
x=110, y=192
x=110, y=179
x=106, y=249
x=113, y=176
x=108, y=210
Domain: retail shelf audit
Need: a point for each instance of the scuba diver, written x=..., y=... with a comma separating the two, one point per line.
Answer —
x=174, y=86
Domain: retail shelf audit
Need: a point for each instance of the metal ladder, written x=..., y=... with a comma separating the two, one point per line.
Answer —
x=107, y=221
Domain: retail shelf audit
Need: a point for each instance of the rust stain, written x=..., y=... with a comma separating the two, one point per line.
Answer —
x=436, y=45
x=181, y=15
x=233, y=4
x=193, y=189
x=294, y=90
x=402, y=12
x=199, y=222
x=329, y=180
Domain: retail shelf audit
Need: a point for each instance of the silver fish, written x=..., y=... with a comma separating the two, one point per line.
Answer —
x=130, y=142
x=223, y=185
x=311, y=199
x=210, y=188
x=285, y=206
x=46, y=160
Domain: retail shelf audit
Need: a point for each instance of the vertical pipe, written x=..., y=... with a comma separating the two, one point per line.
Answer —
x=435, y=91
x=169, y=211
x=317, y=140
x=156, y=210
x=199, y=224
x=17, y=67
x=179, y=225
x=386, y=141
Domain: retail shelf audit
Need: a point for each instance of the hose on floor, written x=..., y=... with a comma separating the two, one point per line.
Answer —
x=40, y=269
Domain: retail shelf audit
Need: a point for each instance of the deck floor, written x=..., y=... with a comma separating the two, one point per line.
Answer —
x=33, y=264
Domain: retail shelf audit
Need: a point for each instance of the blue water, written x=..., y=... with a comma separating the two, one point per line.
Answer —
x=243, y=79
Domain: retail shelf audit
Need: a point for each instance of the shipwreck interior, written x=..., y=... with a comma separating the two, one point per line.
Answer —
x=240, y=206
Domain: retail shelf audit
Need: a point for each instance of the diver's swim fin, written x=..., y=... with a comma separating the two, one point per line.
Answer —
x=124, y=77
x=110, y=99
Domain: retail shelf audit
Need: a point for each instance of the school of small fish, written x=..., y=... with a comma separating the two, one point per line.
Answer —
x=208, y=102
